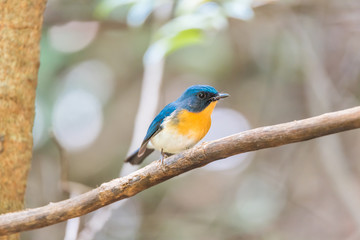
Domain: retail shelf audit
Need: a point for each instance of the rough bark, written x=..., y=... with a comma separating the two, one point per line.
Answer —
x=20, y=31
x=155, y=173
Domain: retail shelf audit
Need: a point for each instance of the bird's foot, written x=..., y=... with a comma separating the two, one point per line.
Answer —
x=163, y=156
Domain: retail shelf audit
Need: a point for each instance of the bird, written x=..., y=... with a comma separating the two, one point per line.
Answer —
x=180, y=125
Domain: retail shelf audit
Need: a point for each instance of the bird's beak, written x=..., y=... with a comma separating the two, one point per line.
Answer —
x=220, y=96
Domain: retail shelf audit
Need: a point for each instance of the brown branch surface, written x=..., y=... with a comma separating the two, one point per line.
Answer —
x=155, y=173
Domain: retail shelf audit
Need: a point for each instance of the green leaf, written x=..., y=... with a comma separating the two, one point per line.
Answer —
x=168, y=45
x=105, y=7
x=185, y=38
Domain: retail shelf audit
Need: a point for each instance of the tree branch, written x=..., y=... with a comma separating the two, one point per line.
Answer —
x=155, y=173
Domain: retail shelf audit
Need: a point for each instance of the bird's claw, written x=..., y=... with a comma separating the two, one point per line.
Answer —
x=163, y=156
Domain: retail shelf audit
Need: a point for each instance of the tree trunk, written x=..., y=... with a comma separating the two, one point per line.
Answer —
x=20, y=31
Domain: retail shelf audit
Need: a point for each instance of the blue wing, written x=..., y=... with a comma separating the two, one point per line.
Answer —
x=155, y=126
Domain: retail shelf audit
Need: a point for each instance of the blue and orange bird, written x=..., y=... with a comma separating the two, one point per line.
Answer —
x=181, y=124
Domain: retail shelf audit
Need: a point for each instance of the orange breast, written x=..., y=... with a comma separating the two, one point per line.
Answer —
x=194, y=125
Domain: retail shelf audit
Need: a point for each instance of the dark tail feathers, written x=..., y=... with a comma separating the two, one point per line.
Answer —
x=135, y=159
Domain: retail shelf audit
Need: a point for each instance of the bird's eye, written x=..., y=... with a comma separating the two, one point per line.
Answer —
x=201, y=95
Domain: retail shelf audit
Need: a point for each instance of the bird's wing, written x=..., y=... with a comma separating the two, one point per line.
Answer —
x=155, y=126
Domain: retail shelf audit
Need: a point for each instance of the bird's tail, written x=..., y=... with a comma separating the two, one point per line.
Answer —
x=135, y=159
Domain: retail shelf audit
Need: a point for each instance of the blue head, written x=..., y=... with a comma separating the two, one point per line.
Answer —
x=196, y=98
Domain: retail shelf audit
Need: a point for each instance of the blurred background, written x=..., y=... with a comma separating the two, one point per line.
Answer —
x=108, y=66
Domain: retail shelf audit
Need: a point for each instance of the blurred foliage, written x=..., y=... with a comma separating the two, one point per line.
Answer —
x=280, y=62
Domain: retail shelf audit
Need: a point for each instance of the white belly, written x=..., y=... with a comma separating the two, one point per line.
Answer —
x=171, y=142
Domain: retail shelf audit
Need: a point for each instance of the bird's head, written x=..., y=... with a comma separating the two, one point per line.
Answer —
x=196, y=98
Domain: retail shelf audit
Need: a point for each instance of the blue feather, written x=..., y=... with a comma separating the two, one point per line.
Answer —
x=155, y=126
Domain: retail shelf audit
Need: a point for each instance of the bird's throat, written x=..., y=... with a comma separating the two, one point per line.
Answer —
x=195, y=124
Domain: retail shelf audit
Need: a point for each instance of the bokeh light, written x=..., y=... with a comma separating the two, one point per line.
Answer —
x=77, y=119
x=93, y=76
x=239, y=9
x=73, y=36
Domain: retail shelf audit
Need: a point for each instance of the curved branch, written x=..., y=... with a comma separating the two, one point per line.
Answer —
x=155, y=173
